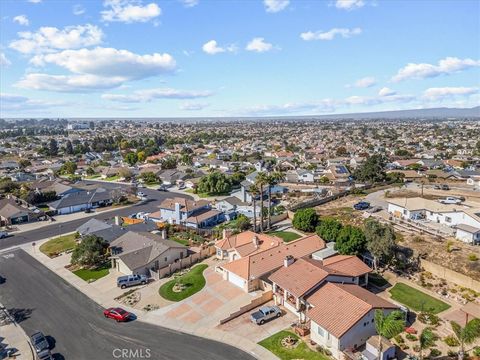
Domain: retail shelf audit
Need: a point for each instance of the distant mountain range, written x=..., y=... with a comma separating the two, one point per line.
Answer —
x=414, y=113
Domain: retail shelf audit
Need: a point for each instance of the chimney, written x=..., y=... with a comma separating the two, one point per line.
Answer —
x=256, y=241
x=118, y=220
x=289, y=260
x=164, y=234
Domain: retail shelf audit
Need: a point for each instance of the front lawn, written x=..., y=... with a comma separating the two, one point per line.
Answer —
x=417, y=300
x=59, y=244
x=93, y=274
x=301, y=351
x=113, y=178
x=287, y=236
x=193, y=282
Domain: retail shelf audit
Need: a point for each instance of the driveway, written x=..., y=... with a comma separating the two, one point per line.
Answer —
x=216, y=301
x=242, y=326
x=41, y=300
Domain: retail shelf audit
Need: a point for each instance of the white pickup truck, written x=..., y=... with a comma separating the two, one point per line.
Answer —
x=450, y=200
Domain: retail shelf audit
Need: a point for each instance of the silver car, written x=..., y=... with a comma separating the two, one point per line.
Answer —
x=264, y=314
x=131, y=280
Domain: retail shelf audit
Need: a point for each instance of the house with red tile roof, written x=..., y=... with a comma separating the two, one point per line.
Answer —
x=235, y=246
x=297, y=279
x=251, y=265
x=342, y=316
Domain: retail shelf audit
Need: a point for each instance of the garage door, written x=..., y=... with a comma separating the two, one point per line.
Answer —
x=236, y=280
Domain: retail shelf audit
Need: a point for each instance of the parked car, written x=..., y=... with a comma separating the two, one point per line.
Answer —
x=117, y=314
x=362, y=205
x=437, y=187
x=3, y=234
x=131, y=280
x=264, y=314
x=450, y=200
x=45, y=355
x=39, y=342
x=445, y=187
x=141, y=194
x=162, y=188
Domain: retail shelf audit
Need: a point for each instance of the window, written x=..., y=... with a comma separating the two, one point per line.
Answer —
x=166, y=258
x=405, y=212
x=321, y=332
x=448, y=219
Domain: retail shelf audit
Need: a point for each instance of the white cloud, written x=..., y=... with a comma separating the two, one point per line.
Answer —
x=34, y=1
x=68, y=83
x=331, y=34
x=78, y=9
x=21, y=19
x=189, y=3
x=109, y=62
x=445, y=66
x=441, y=93
x=274, y=6
x=211, y=47
x=385, y=91
x=258, y=44
x=193, y=106
x=365, y=82
x=4, y=61
x=148, y=95
x=129, y=11
x=13, y=102
x=49, y=39
x=349, y=4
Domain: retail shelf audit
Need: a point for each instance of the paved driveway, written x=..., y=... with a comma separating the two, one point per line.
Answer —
x=217, y=300
x=242, y=326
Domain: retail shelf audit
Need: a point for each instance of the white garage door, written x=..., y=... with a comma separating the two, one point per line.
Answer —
x=236, y=280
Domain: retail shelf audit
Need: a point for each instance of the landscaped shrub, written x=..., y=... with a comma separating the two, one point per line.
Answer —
x=452, y=354
x=473, y=257
x=411, y=337
x=429, y=318
x=399, y=339
x=476, y=351
x=435, y=353
x=451, y=340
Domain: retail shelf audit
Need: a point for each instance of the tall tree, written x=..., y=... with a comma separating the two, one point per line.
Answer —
x=260, y=181
x=68, y=147
x=52, y=147
x=305, y=219
x=380, y=241
x=253, y=190
x=271, y=180
x=90, y=252
x=373, y=170
x=388, y=326
x=466, y=335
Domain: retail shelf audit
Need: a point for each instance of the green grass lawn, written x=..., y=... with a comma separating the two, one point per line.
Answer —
x=58, y=245
x=302, y=351
x=417, y=300
x=113, y=178
x=194, y=281
x=93, y=274
x=287, y=236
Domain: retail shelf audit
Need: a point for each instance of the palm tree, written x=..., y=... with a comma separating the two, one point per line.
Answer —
x=253, y=190
x=466, y=335
x=260, y=181
x=388, y=326
x=426, y=339
x=272, y=179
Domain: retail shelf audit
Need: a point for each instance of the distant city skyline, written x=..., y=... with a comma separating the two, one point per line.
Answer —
x=200, y=58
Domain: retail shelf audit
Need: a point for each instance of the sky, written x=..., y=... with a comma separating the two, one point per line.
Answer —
x=205, y=58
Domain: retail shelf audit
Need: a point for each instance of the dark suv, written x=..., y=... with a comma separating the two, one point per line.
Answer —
x=362, y=205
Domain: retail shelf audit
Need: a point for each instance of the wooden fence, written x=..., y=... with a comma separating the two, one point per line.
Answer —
x=183, y=263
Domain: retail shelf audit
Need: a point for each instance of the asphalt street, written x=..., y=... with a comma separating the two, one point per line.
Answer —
x=154, y=199
x=41, y=300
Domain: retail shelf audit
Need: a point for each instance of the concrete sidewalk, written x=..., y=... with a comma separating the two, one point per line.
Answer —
x=104, y=299
x=13, y=337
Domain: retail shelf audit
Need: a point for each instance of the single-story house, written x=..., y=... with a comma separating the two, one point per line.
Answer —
x=81, y=200
x=467, y=233
x=12, y=213
x=140, y=252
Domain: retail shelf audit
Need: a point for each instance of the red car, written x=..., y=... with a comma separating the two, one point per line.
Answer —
x=117, y=314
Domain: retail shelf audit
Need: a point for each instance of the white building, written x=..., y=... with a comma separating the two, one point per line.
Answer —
x=447, y=214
